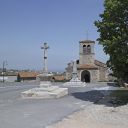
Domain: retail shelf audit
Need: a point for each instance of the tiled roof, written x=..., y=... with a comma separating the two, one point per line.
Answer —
x=28, y=74
x=87, y=66
x=99, y=63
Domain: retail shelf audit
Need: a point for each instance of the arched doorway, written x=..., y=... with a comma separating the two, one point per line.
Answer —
x=85, y=76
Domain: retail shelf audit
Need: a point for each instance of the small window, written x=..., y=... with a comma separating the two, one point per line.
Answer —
x=84, y=48
x=88, y=49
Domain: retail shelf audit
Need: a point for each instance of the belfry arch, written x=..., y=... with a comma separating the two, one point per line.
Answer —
x=85, y=76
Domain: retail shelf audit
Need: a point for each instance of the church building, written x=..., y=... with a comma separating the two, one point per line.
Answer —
x=88, y=69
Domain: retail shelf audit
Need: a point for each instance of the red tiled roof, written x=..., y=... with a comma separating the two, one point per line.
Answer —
x=28, y=74
x=99, y=63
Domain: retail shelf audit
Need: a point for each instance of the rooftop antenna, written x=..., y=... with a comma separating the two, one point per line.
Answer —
x=87, y=35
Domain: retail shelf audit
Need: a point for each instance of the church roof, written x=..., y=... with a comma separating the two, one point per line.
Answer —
x=99, y=63
x=86, y=41
x=87, y=66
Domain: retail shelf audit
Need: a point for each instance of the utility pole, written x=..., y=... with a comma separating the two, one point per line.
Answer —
x=4, y=69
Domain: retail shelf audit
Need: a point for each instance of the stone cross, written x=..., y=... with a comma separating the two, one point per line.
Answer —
x=74, y=67
x=45, y=47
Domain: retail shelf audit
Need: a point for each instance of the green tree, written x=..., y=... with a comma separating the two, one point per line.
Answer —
x=113, y=29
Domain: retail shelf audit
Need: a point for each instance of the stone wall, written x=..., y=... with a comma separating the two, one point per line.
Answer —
x=94, y=75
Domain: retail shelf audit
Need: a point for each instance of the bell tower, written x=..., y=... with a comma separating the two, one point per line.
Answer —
x=86, y=52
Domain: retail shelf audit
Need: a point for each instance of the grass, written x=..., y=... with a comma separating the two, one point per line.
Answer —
x=119, y=97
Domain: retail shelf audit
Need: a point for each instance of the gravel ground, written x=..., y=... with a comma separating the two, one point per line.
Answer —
x=96, y=116
x=84, y=107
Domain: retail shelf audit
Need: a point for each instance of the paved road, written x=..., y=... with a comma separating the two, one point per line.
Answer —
x=16, y=112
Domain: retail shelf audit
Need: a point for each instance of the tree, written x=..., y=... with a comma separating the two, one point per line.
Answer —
x=113, y=29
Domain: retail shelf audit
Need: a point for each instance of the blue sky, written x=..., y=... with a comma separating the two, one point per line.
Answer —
x=26, y=24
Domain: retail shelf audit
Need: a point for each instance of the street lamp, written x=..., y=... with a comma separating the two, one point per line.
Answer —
x=4, y=69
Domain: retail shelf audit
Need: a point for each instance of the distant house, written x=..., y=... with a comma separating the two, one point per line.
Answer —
x=8, y=77
x=26, y=76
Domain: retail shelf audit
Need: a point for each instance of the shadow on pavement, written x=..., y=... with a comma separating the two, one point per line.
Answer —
x=110, y=98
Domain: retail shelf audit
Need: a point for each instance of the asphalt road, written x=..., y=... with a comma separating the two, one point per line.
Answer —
x=16, y=112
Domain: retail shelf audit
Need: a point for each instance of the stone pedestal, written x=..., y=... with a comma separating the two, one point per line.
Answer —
x=45, y=90
x=75, y=82
x=45, y=84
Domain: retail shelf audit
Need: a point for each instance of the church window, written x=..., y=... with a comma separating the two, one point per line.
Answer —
x=88, y=49
x=84, y=48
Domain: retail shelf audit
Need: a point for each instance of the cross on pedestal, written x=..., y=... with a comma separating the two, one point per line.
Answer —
x=74, y=73
x=45, y=69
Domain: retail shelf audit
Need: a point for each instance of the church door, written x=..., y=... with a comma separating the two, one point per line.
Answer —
x=85, y=76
